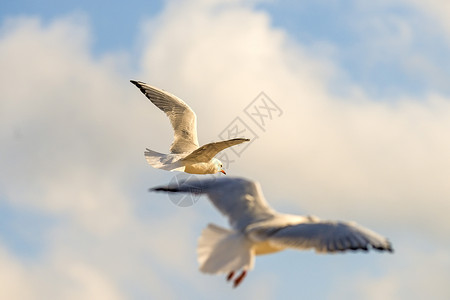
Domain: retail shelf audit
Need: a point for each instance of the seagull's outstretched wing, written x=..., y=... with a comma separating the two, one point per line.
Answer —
x=239, y=199
x=206, y=152
x=323, y=236
x=242, y=201
x=181, y=116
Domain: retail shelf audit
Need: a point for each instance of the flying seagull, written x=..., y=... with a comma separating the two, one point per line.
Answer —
x=258, y=229
x=185, y=154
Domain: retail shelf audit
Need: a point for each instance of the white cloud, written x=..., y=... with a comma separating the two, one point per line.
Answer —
x=13, y=278
x=437, y=11
x=72, y=146
x=387, y=157
x=399, y=47
x=50, y=279
x=420, y=274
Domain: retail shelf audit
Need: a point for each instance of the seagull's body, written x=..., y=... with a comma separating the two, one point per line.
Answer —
x=258, y=229
x=185, y=154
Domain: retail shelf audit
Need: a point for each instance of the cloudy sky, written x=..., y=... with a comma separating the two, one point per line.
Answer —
x=360, y=132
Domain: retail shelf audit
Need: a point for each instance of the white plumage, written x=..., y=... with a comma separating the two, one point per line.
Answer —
x=258, y=229
x=185, y=153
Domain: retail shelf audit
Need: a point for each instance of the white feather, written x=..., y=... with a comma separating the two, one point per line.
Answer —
x=190, y=158
x=221, y=251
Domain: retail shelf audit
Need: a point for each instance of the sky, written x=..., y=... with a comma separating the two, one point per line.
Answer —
x=355, y=128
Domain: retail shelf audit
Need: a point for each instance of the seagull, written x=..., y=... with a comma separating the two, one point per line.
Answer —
x=185, y=154
x=258, y=229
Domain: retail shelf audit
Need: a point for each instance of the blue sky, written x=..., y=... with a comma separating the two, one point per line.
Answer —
x=113, y=25
x=344, y=26
x=349, y=26
x=363, y=136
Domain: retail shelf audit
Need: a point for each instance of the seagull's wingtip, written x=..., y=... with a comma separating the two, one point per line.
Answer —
x=163, y=189
x=158, y=189
x=390, y=249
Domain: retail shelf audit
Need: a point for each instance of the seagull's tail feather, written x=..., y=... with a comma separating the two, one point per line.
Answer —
x=222, y=251
x=162, y=161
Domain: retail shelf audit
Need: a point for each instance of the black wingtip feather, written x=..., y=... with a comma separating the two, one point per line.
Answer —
x=240, y=139
x=162, y=189
x=390, y=249
x=137, y=83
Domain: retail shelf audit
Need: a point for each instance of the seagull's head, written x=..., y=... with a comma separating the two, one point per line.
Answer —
x=218, y=166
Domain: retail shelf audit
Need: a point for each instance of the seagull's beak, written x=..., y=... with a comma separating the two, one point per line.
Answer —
x=223, y=171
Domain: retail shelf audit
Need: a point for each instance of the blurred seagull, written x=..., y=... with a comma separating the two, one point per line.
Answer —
x=185, y=153
x=258, y=229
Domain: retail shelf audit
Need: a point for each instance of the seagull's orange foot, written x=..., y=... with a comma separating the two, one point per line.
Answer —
x=238, y=280
x=230, y=275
